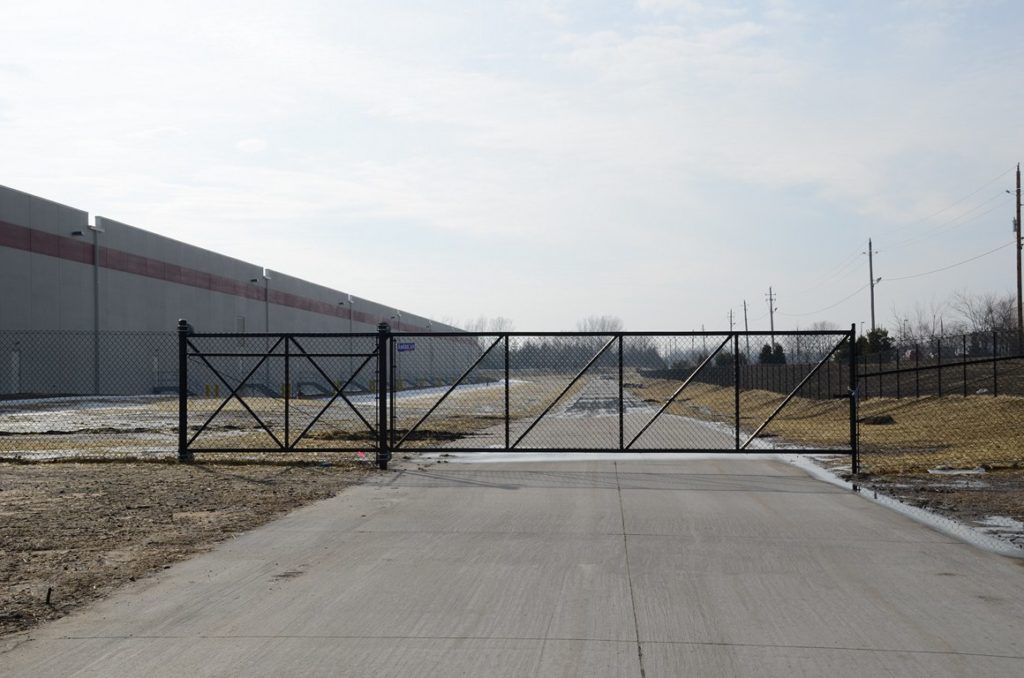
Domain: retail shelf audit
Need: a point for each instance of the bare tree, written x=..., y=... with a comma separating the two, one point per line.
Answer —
x=600, y=323
x=986, y=312
x=497, y=324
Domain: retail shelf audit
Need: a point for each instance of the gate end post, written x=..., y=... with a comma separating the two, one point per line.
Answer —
x=184, y=329
x=383, y=448
x=854, y=446
x=736, y=382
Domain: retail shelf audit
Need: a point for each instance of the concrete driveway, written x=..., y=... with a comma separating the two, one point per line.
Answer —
x=603, y=568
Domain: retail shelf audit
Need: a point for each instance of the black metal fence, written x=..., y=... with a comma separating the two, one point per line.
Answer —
x=955, y=404
x=979, y=363
x=951, y=402
x=579, y=392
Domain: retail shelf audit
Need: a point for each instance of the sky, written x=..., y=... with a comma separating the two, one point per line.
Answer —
x=661, y=161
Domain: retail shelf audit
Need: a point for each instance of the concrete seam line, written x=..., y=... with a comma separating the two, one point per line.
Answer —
x=629, y=576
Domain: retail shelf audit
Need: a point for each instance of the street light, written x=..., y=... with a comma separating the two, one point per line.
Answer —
x=266, y=323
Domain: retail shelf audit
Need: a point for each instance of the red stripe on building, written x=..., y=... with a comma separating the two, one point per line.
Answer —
x=71, y=249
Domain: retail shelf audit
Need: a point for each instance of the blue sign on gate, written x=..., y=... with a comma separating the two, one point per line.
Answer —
x=406, y=346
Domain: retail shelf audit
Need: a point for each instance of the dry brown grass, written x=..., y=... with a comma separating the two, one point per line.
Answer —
x=928, y=432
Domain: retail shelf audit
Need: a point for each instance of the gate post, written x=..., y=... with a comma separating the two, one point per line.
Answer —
x=184, y=329
x=736, y=382
x=622, y=402
x=854, y=451
x=383, y=449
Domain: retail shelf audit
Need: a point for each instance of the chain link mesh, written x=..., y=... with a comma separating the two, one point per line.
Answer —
x=949, y=403
x=301, y=393
x=945, y=403
x=88, y=395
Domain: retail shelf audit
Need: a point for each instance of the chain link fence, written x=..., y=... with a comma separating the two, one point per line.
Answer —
x=949, y=403
x=88, y=395
x=114, y=396
x=954, y=403
x=639, y=392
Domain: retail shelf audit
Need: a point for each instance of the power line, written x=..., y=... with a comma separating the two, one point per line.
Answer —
x=904, y=277
x=954, y=204
x=951, y=224
x=847, y=297
x=946, y=268
x=847, y=265
x=842, y=270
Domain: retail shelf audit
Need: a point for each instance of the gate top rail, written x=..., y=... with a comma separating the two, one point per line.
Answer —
x=255, y=335
x=708, y=333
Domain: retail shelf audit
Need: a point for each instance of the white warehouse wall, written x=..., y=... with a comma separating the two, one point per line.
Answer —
x=74, y=282
x=147, y=281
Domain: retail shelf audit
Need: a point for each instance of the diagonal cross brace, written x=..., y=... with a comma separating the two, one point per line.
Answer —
x=338, y=392
x=234, y=392
x=564, y=391
x=679, y=390
x=447, y=393
x=792, y=394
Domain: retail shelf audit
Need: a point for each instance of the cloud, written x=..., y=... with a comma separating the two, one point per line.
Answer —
x=251, y=145
x=631, y=136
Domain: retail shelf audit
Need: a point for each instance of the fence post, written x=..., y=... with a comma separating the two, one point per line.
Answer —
x=938, y=344
x=287, y=393
x=880, y=370
x=828, y=380
x=964, y=357
x=184, y=329
x=622, y=424
x=898, y=349
x=383, y=448
x=736, y=379
x=506, y=392
x=917, y=370
x=854, y=447
x=995, y=362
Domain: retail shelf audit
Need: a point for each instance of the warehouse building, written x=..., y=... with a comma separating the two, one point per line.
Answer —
x=79, y=298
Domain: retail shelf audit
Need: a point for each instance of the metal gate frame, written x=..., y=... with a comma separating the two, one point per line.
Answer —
x=385, y=435
x=188, y=349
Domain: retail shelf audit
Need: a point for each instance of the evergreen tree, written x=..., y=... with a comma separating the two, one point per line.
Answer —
x=879, y=340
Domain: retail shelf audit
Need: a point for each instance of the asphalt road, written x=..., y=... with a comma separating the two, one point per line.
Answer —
x=601, y=568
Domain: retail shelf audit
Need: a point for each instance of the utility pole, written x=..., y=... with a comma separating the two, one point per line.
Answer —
x=731, y=323
x=771, y=314
x=746, y=328
x=1020, y=308
x=871, y=274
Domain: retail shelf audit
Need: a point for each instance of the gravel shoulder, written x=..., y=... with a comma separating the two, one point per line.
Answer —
x=71, y=533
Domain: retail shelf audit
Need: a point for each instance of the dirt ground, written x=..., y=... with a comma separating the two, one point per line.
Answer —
x=981, y=500
x=72, y=532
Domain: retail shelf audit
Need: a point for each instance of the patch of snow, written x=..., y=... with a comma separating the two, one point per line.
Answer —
x=947, y=526
x=1001, y=523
